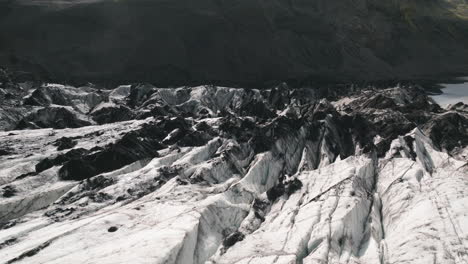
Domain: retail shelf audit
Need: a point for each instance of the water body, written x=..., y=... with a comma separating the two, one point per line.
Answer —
x=453, y=93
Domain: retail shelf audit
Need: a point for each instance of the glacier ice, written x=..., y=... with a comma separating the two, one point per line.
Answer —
x=240, y=176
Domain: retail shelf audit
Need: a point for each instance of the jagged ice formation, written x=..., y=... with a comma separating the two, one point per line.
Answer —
x=140, y=174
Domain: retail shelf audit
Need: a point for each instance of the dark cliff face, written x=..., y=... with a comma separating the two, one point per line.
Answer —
x=233, y=42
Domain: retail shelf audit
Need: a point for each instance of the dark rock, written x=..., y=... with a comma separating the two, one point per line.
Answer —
x=279, y=97
x=112, y=114
x=64, y=143
x=77, y=169
x=5, y=151
x=30, y=252
x=409, y=142
x=256, y=108
x=204, y=127
x=275, y=192
x=382, y=147
x=96, y=148
x=45, y=96
x=448, y=131
x=461, y=107
x=259, y=205
x=59, y=213
x=23, y=124
x=232, y=239
x=168, y=125
x=9, y=191
x=52, y=117
x=100, y=197
x=97, y=183
x=121, y=198
x=287, y=185
x=291, y=186
x=139, y=93
x=260, y=208
x=112, y=229
x=261, y=143
x=89, y=188
x=419, y=101
x=168, y=172
x=181, y=181
x=73, y=154
x=194, y=138
x=48, y=95
x=196, y=179
x=379, y=102
x=8, y=242
x=8, y=224
x=203, y=113
x=24, y=175
x=133, y=146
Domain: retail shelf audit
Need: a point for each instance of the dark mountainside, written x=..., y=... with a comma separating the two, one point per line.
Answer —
x=242, y=42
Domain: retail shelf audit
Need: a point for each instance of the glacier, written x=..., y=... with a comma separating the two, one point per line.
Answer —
x=207, y=174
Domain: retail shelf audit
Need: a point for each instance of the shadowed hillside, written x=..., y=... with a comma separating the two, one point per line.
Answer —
x=235, y=42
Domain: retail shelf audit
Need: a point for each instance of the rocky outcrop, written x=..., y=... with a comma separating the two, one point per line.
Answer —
x=111, y=114
x=221, y=175
x=11, y=94
x=448, y=131
x=54, y=117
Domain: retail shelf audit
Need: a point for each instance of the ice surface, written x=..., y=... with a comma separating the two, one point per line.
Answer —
x=314, y=194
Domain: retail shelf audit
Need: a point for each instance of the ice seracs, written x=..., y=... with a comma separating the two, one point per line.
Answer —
x=222, y=175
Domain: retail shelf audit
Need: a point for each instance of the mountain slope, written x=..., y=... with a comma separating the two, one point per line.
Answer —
x=234, y=42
